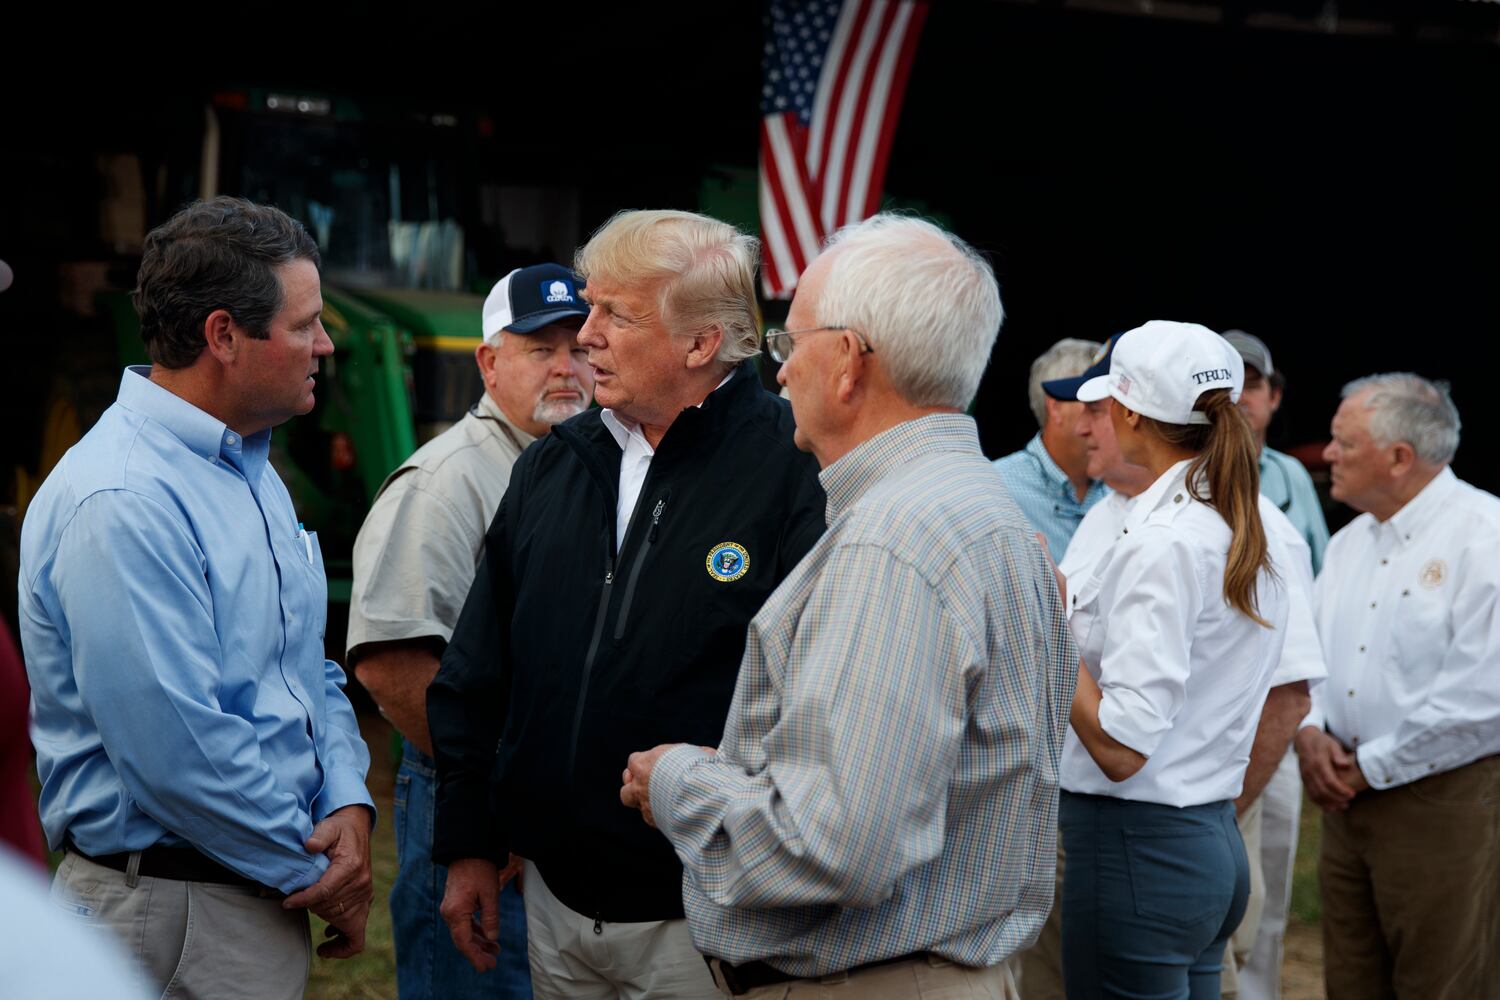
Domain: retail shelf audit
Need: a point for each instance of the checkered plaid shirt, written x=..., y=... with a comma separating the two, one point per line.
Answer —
x=887, y=781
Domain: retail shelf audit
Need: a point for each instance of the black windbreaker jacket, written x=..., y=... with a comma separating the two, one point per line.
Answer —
x=568, y=657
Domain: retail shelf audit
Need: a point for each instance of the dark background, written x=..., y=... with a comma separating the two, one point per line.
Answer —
x=1336, y=192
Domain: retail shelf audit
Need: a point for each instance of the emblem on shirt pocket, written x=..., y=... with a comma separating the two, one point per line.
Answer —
x=727, y=562
x=1433, y=574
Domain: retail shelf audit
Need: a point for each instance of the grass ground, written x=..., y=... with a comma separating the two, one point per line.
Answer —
x=370, y=975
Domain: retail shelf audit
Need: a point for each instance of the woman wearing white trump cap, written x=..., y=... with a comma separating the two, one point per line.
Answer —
x=1179, y=626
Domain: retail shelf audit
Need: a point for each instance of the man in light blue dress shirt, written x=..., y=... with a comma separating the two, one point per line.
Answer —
x=196, y=751
x=1049, y=478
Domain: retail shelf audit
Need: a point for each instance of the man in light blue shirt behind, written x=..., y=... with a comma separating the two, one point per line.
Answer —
x=195, y=749
x=1049, y=477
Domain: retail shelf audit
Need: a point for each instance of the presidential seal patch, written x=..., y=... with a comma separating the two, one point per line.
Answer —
x=1433, y=574
x=727, y=562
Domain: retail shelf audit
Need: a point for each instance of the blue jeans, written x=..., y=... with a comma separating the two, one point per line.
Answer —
x=428, y=967
x=1150, y=897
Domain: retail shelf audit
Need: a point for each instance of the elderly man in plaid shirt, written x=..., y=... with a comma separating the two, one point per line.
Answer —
x=880, y=818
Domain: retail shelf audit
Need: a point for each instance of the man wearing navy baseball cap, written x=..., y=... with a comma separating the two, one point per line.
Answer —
x=413, y=565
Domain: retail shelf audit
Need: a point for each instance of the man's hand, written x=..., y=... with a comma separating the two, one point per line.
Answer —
x=1353, y=776
x=342, y=896
x=1325, y=769
x=635, y=781
x=474, y=884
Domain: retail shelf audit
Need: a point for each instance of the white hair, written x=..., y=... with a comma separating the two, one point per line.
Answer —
x=1407, y=407
x=924, y=299
x=1064, y=359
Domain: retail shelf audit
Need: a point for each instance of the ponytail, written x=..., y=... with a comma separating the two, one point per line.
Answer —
x=1228, y=466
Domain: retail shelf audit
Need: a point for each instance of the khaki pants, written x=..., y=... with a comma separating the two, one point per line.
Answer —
x=192, y=939
x=918, y=977
x=1040, y=975
x=1411, y=890
x=624, y=961
x=1237, y=952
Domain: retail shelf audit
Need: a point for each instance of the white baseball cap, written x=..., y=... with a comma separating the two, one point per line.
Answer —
x=529, y=298
x=1160, y=368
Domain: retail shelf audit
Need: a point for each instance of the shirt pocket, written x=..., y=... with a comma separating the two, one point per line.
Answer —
x=1420, y=631
x=317, y=580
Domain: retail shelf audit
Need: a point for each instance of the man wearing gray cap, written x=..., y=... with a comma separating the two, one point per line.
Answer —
x=414, y=561
x=1284, y=482
x=1283, y=479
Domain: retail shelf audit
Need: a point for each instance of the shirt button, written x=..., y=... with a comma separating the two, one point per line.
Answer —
x=1177, y=498
x=1406, y=593
x=1351, y=692
x=1354, y=742
x=1430, y=767
x=1372, y=604
x=1384, y=561
x=1361, y=649
x=229, y=439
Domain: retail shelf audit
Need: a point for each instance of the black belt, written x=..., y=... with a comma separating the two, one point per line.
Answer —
x=182, y=864
x=741, y=979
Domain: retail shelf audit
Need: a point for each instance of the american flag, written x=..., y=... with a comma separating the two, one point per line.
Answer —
x=833, y=75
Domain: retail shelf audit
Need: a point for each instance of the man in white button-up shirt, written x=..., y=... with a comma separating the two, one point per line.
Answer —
x=1400, y=747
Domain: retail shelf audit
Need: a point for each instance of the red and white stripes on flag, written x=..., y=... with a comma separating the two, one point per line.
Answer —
x=834, y=76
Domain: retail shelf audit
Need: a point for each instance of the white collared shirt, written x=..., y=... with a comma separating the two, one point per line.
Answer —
x=1301, y=654
x=1183, y=675
x=1409, y=612
x=635, y=460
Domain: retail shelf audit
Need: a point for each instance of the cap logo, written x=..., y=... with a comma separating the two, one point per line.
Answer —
x=1124, y=385
x=1213, y=375
x=728, y=561
x=557, y=291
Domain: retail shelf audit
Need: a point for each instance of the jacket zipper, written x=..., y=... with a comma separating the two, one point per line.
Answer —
x=588, y=660
x=640, y=560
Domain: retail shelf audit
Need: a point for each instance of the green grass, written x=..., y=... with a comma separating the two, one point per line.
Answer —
x=371, y=973
x=1307, y=903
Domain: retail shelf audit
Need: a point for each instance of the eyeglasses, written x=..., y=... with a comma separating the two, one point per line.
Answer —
x=779, y=343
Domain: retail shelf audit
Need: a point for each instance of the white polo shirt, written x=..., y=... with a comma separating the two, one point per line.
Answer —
x=1183, y=675
x=1409, y=612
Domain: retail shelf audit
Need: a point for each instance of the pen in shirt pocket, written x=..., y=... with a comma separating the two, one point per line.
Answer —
x=306, y=542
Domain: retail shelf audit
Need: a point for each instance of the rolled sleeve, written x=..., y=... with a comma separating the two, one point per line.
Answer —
x=1459, y=720
x=1144, y=668
x=667, y=792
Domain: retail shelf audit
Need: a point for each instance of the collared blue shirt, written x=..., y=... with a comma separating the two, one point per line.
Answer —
x=1045, y=494
x=172, y=615
x=1285, y=482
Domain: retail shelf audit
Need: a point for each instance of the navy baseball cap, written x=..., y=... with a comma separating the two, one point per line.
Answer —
x=1066, y=389
x=529, y=298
